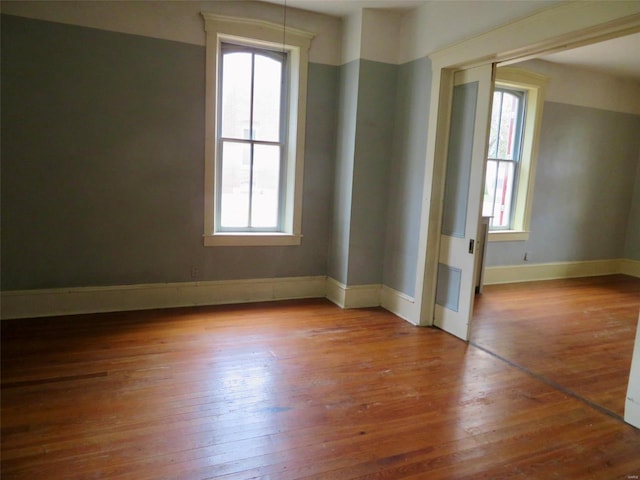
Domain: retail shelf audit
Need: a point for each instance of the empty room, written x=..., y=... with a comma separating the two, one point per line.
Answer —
x=243, y=239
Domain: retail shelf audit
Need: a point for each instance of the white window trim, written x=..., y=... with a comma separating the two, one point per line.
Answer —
x=534, y=85
x=297, y=42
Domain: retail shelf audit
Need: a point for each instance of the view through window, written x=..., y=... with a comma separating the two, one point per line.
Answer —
x=504, y=155
x=251, y=138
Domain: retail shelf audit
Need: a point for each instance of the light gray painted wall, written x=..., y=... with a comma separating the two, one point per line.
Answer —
x=364, y=149
x=343, y=182
x=632, y=244
x=405, y=176
x=102, y=163
x=373, y=151
x=583, y=189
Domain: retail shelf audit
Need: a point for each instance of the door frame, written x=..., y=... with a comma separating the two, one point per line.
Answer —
x=565, y=26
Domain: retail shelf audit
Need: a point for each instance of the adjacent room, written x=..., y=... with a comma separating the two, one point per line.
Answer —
x=226, y=249
x=582, y=336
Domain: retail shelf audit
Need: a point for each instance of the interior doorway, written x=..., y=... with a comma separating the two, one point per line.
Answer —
x=573, y=25
x=578, y=333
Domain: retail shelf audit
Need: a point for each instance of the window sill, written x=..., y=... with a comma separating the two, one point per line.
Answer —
x=508, y=236
x=251, y=239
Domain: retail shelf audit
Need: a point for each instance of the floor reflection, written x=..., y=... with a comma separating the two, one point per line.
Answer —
x=576, y=334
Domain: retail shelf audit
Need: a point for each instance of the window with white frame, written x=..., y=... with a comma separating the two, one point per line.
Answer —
x=504, y=156
x=254, y=144
x=251, y=150
x=510, y=171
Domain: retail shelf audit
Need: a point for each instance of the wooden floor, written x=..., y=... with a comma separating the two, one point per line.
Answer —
x=577, y=333
x=285, y=391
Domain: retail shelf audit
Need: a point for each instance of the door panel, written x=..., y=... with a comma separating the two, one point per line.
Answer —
x=466, y=153
x=459, y=155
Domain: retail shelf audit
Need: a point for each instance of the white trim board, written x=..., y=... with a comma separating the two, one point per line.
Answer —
x=556, y=270
x=361, y=296
x=357, y=296
x=630, y=267
x=71, y=301
x=398, y=303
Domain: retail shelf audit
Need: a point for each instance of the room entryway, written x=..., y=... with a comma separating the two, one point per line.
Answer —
x=574, y=334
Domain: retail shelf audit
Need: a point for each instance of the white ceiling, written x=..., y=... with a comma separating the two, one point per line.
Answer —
x=341, y=8
x=619, y=57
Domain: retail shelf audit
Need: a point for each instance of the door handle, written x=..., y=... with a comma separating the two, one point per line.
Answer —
x=472, y=244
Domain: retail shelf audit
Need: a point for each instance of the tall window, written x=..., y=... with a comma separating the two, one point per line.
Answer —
x=504, y=156
x=251, y=138
x=513, y=143
x=255, y=113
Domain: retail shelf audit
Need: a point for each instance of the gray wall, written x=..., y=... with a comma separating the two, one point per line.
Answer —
x=338, y=267
x=406, y=176
x=373, y=151
x=583, y=188
x=632, y=245
x=102, y=162
x=364, y=150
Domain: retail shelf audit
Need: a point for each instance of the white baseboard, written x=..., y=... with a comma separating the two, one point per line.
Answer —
x=69, y=301
x=630, y=267
x=357, y=296
x=335, y=291
x=400, y=304
x=72, y=301
x=551, y=271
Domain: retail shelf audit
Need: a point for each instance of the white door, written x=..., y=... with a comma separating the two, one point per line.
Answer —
x=464, y=180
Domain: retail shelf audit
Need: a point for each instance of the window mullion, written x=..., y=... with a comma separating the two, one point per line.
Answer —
x=495, y=191
x=499, y=123
x=250, y=142
x=283, y=138
x=251, y=138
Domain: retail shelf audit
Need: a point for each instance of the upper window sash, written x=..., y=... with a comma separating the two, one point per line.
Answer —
x=518, y=130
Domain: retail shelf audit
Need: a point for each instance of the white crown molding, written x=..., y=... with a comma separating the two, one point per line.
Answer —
x=276, y=27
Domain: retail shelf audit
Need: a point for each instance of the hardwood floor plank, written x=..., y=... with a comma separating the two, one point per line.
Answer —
x=578, y=333
x=286, y=390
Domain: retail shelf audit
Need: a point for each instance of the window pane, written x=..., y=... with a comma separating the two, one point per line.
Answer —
x=267, y=96
x=508, y=127
x=503, y=195
x=236, y=95
x=234, y=198
x=495, y=124
x=266, y=183
x=489, y=189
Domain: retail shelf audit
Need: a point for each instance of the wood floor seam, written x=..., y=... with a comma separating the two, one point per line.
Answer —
x=551, y=383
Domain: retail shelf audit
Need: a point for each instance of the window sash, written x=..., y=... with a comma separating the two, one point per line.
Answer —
x=282, y=57
x=495, y=214
x=515, y=161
